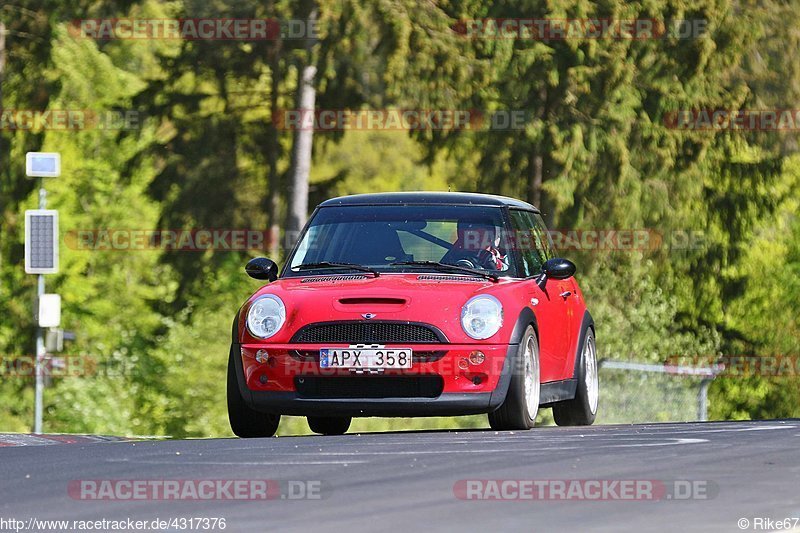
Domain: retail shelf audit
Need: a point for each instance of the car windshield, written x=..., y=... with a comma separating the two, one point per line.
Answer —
x=404, y=238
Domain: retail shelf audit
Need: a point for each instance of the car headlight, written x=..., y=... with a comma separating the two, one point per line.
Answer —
x=266, y=316
x=482, y=316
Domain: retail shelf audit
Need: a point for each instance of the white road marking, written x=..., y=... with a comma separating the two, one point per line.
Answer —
x=356, y=448
x=235, y=463
x=677, y=442
x=732, y=429
x=514, y=450
x=262, y=463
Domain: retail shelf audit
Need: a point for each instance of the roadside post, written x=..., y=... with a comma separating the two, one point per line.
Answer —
x=41, y=257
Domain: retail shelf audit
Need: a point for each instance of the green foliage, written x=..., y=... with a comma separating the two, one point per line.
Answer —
x=594, y=152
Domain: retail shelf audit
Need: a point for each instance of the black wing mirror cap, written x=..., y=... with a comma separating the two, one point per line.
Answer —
x=559, y=268
x=262, y=268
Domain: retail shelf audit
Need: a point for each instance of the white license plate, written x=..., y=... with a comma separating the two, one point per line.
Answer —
x=358, y=356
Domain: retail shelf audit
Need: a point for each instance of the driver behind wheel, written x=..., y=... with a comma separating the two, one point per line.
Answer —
x=476, y=246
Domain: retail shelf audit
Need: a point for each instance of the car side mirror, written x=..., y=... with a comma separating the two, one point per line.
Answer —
x=556, y=268
x=559, y=268
x=262, y=268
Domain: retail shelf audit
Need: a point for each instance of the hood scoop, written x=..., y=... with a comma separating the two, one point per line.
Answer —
x=371, y=304
x=445, y=277
x=334, y=278
x=372, y=300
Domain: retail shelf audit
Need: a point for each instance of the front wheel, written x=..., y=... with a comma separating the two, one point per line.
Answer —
x=246, y=422
x=329, y=425
x=581, y=410
x=518, y=410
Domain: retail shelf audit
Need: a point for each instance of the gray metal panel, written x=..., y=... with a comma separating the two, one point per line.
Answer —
x=41, y=241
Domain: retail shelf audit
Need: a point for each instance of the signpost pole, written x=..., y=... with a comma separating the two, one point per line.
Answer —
x=41, y=257
x=37, y=423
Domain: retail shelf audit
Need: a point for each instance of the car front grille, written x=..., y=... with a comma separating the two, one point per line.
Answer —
x=369, y=333
x=369, y=387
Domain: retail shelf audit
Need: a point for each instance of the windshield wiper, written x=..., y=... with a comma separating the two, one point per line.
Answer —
x=451, y=268
x=330, y=264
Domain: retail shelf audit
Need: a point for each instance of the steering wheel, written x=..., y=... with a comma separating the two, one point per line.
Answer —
x=482, y=260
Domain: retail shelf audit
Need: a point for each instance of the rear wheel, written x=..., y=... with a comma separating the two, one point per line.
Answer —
x=518, y=410
x=581, y=410
x=329, y=425
x=246, y=422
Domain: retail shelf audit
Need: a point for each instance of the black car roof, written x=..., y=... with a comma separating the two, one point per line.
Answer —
x=450, y=198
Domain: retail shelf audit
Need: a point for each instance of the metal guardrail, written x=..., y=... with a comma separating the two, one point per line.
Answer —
x=707, y=373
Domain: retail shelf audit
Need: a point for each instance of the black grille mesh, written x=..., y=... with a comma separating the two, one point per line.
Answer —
x=366, y=333
x=369, y=387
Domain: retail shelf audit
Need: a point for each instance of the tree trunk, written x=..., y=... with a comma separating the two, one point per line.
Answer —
x=536, y=159
x=535, y=180
x=2, y=59
x=273, y=203
x=303, y=138
x=273, y=181
x=2, y=143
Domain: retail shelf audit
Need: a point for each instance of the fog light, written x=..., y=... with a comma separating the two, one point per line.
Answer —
x=262, y=356
x=477, y=357
x=463, y=364
x=262, y=378
x=476, y=380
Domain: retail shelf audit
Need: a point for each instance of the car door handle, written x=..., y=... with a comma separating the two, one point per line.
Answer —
x=566, y=294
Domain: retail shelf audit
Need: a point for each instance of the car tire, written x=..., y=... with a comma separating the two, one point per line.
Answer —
x=246, y=422
x=582, y=410
x=329, y=425
x=518, y=410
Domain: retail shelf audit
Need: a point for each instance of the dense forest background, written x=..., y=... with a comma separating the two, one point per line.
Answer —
x=596, y=151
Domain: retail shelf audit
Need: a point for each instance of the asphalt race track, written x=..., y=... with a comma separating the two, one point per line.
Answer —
x=415, y=481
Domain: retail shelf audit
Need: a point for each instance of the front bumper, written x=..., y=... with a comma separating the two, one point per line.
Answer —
x=271, y=385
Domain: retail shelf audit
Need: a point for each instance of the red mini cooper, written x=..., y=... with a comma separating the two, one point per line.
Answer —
x=414, y=304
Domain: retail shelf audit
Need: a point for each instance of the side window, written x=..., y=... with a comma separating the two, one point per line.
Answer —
x=529, y=241
x=308, y=251
x=545, y=237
